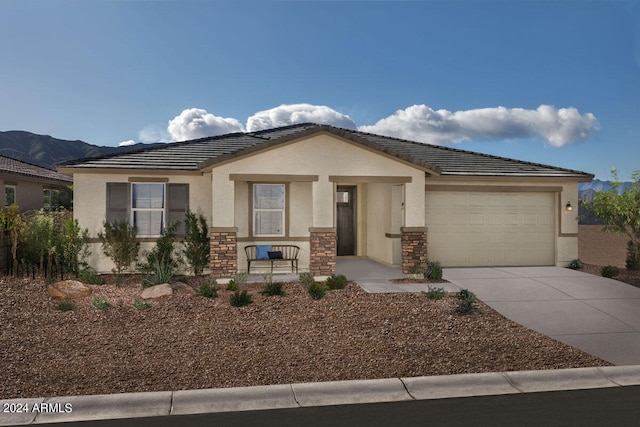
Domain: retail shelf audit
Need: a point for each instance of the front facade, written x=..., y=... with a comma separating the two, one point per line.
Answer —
x=335, y=192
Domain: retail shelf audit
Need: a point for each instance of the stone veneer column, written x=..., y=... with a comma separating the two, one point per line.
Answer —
x=414, y=248
x=224, y=252
x=322, y=251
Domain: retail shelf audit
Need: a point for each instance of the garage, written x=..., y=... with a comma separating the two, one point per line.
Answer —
x=485, y=228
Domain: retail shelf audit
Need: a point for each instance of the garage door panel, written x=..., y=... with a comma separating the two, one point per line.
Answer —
x=475, y=228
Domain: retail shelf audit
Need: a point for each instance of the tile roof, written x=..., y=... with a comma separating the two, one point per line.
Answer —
x=17, y=167
x=197, y=154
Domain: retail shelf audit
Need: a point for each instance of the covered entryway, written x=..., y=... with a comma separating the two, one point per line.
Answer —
x=484, y=228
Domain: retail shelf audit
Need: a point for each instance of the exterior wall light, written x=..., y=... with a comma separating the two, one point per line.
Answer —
x=568, y=207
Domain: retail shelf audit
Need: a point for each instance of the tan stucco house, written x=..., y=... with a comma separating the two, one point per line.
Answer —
x=29, y=186
x=337, y=192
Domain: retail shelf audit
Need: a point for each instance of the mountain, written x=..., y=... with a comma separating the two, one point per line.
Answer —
x=597, y=185
x=46, y=151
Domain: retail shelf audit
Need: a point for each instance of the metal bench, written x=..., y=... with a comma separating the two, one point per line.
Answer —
x=289, y=254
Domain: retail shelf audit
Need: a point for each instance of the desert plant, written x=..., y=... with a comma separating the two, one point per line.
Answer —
x=232, y=285
x=196, y=242
x=435, y=293
x=89, y=276
x=317, y=290
x=100, y=302
x=240, y=298
x=241, y=278
x=467, y=302
x=12, y=220
x=209, y=289
x=65, y=306
x=71, y=244
x=140, y=304
x=162, y=273
x=120, y=244
x=609, y=271
x=336, y=282
x=162, y=253
x=272, y=289
x=434, y=271
x=575, y=264
x=306, y=278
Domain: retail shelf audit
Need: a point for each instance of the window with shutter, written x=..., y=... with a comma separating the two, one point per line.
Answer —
x=118, y=201
x=177, y=205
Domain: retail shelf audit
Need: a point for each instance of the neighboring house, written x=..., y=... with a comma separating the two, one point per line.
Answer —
x=337, y=192
x=30, y=186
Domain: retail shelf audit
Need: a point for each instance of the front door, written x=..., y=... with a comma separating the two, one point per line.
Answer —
x=346, y=220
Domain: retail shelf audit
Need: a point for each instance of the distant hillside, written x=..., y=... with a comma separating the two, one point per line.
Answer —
x=46, y=151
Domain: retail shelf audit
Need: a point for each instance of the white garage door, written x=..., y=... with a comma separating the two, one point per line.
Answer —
x=490, y=228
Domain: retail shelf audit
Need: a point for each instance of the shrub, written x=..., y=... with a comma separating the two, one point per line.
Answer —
x=196, y=242
x=162, y=273
x=576, y=264
x=609, y=271
x=435, y=293
x=307, y=279
x=120, y=244
x=240, y=298
x=90, y=276
x=140, y=304
x=65, y=306
x=241, y=278
x=232, y=285
x=100, y=303
x=209, y=289
x=632, y=261
x=272, y=289
x=162, y=253
x=336, y=282
x=71, y=244
x=467, y=302
x=434, y=272
x=317, y=290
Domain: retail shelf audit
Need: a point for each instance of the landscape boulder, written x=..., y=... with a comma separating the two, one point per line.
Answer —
x=69, y=289
x=183, y=288
x=157, y=291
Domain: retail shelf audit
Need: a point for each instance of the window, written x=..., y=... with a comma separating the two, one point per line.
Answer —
x=51, y=199
x=147, y=208
x=268, y=210
x=9, y=195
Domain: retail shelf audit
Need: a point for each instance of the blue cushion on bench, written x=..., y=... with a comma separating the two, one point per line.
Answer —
x=263, y=251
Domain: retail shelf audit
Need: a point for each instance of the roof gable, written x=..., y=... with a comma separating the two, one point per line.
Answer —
x=9, y=166
x=205, y=152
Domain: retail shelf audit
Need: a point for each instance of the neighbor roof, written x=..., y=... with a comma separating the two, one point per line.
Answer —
x=12, y=167
x=196, y=154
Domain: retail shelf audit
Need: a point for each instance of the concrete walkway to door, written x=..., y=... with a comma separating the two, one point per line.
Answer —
x=597, y=315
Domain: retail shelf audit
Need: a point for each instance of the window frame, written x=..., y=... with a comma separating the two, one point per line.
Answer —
x=54, y=199
x=254, y=210
x=15, y=193
x=162, y=210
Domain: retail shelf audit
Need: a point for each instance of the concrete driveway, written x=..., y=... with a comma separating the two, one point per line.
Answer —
x=598, y=315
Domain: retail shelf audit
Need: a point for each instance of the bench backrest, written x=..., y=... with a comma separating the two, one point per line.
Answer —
x=288, y=251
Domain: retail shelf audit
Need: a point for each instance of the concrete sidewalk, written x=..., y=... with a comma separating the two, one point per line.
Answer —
x=169, y=403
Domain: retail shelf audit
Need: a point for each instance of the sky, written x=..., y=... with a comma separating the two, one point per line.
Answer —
x=553, y=82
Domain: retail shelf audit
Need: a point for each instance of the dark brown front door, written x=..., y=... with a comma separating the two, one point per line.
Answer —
x=346, y=220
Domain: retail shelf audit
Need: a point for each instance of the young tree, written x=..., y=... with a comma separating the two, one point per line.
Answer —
x=621, y=213
x=120, y=244
x=196, y=242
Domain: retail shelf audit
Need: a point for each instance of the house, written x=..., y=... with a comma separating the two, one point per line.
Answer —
x=30, y=186
x=337, y=192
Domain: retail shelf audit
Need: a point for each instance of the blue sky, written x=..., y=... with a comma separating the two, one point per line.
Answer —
x=556, y=82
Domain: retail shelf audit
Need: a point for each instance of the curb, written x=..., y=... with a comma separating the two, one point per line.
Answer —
x=299, y=395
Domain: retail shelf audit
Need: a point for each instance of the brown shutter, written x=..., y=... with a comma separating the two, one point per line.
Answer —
x=177, y=205
x=118, y=201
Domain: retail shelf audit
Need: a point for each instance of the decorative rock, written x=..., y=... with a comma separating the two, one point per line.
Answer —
x=183, y=288
x=157, y=291
x=69, y=289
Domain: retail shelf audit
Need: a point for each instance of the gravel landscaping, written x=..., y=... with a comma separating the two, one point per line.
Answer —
x=191, y=342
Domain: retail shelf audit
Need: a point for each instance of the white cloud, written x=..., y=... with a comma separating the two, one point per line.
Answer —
x=289, y=114
x=127, y=143
x=196, y=123
x=421, y=123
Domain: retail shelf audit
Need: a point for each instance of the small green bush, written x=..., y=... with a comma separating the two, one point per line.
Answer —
x=434, y=272
x=306, y=278
x=467, y=302
x=65, y=306
x=239, y=299
x=272, y=289
x=609, y=271
x=435, y=293
x=90, y=277
x=140, y=304
x=232, y=285
x=241, y=278
x=209, y=289
x=317, y=290
x=100, y=303
x=576, y=264
x=162, y=272
x=336, y=282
